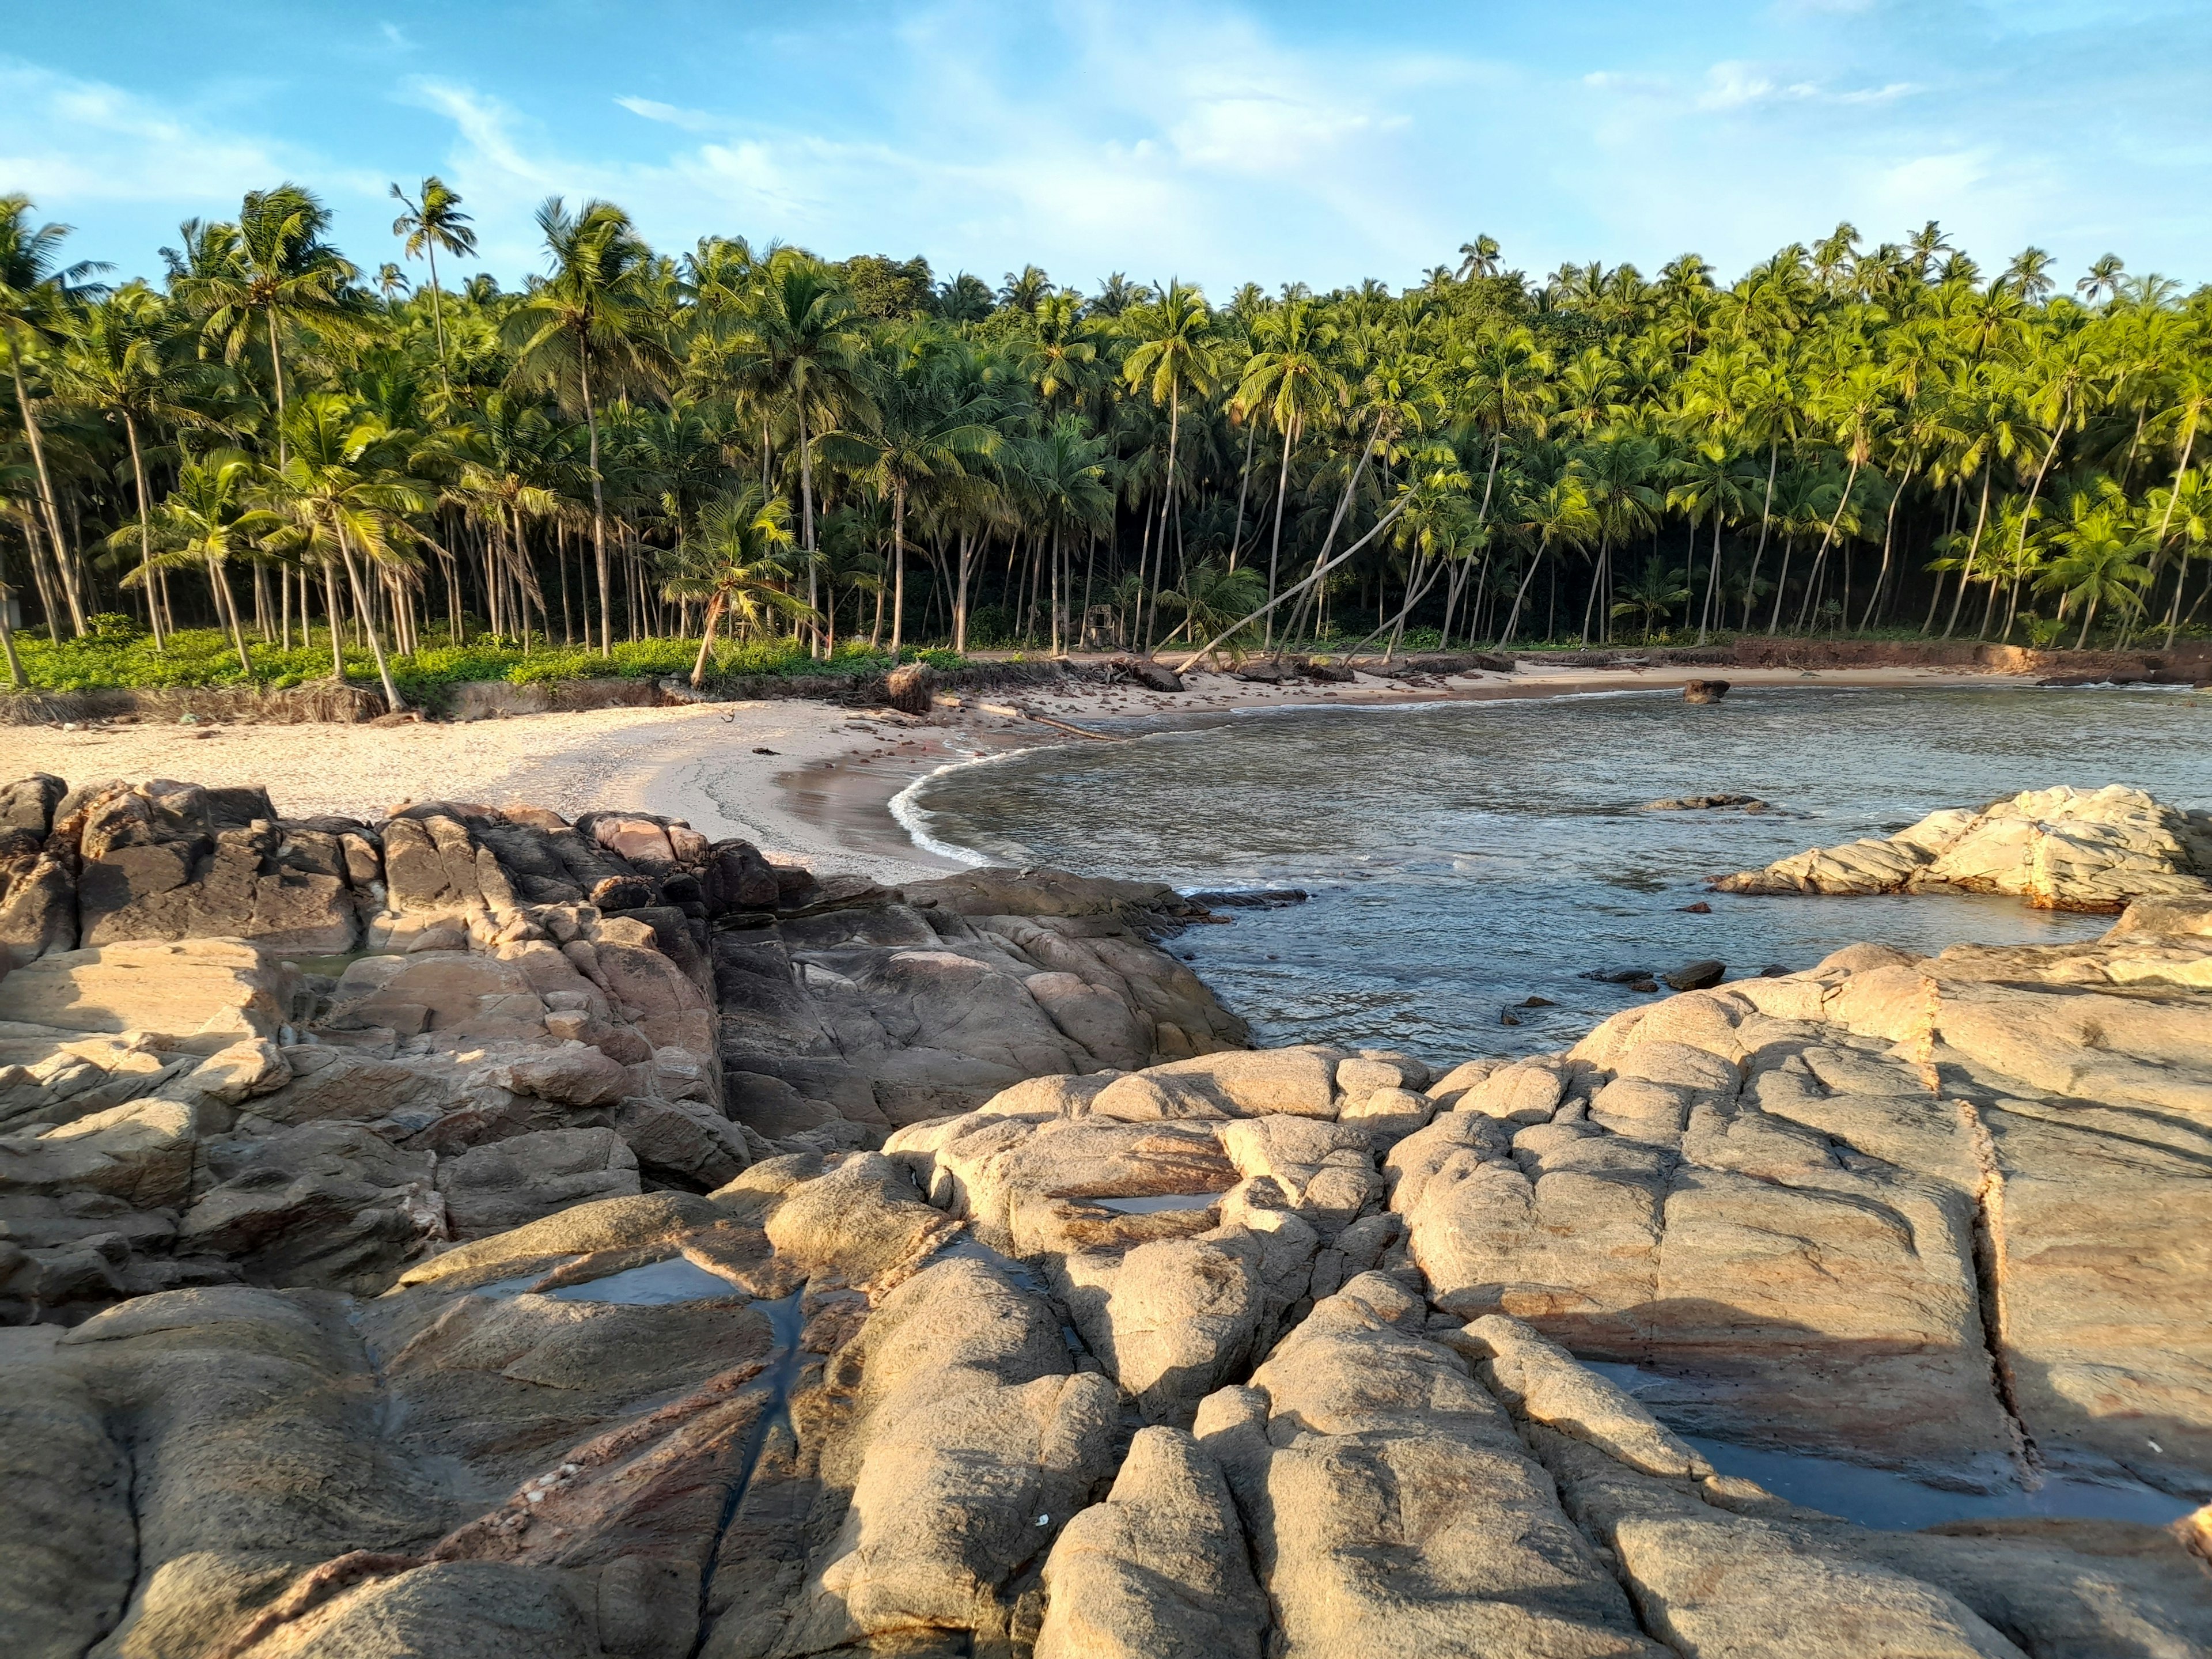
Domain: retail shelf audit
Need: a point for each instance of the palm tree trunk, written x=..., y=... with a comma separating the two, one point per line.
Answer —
x=1765, y=522
x=47, y=498
x=1513, y=619
x=145, y=530
x=806, y=531
x=1243, y=484
x=2181, y=579
x=1888, y=540
x=438, y=320
x=227, y=614
x=1821, y=559
x=898, y=568
x=960, y=589
x=1275, y=547
x=598, y=513
x=1974, y=547
x=368, y=615
x=276, y=374
x=706, y=641
x=15, y=675
x=1712, y=578
x=331, y=610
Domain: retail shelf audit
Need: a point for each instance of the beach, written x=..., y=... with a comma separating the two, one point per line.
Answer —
x=803, y=780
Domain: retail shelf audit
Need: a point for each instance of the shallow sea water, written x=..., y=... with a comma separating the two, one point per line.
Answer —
x=1464, y=857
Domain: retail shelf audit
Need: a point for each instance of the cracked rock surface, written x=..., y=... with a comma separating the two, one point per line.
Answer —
x=393, y=1313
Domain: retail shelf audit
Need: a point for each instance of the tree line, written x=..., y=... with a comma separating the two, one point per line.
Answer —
x=745, y=442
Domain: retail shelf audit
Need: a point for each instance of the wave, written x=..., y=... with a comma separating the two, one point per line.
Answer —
x=920, y=823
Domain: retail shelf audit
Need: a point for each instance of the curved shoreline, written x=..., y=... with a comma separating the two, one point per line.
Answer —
x=811, y=781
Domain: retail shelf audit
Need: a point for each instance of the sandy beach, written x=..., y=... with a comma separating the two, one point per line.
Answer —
x=803, y=780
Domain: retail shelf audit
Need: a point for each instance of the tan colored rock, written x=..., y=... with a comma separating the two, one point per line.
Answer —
x=1160, y=1567
x=209, y=990
x=2059, y=848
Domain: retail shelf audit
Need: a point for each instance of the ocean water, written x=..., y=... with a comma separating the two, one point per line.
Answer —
x=1464, y=858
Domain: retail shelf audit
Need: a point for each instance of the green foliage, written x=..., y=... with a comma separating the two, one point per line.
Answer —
x=204, y=657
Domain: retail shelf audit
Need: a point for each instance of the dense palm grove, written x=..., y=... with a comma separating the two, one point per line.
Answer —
x=272, y=465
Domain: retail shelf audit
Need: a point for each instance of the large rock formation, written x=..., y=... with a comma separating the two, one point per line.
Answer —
x=307, y=1053
x=2059, y=848
x=862, y=1272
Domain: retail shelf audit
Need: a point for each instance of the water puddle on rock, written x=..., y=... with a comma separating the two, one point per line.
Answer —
x=1157, y=1202
x=1890, y=1502
x=675, y=1279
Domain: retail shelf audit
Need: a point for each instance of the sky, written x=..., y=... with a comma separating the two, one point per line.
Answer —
x=1321, y=143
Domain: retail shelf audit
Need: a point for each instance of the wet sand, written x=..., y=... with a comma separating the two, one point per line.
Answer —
x=803, y=780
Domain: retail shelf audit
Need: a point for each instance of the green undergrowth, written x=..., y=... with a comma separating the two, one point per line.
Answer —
x=204, y=657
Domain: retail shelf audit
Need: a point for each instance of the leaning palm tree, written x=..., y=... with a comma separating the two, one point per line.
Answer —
x=344, y=505
x=36, y=291
x=590, y=328
x=433, y=220
x=733, y=560
x=209, y=519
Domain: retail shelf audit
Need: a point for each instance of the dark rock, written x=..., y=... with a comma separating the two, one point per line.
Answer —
x=1538, y=1002
x=1336, y=673
x=1643, y=985
x=1508, y=1018
x=739, y=878
x=1152, y=676
x=29, y=804
x=1773, y=970
x=624, y=893
x=908, y=686
x=1705, y=690
x=1266, y=671
x=1258, y=898
x=1705, y=803
x=1618, y=975
x=1700, y=909
x=1696, y=976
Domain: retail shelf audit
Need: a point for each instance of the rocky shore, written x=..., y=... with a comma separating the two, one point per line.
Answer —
x=470, y=1231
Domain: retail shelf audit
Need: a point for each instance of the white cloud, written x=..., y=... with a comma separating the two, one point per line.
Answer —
x=64, y=140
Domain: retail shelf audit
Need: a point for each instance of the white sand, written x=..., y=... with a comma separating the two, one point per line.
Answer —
x=820, y=798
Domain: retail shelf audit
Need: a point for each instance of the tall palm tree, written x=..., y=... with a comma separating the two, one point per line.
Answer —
x=36, y=292
x=1288, y=379
x=433, y=220
x=808, y=355
x=1478, y=258
x=925, y=428
x=591, y=328
x=1174, y=355
x=278, y=268
x=126, y=359
x=732, y=561
x=1714, y=486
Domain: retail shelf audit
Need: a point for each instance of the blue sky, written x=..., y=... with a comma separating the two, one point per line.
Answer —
x=1218, y=142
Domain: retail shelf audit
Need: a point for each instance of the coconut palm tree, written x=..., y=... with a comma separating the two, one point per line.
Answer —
x=2100, y=561
x=126, y=359
x=211, y=518
x=925, y=428
x=273, y=266
x=1288, y=379
x=1653, y=595
x=344, y=505
x=733, y=560
x=591, y=330
x=36, y=294
x=433, y=220
x=1175, y=355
